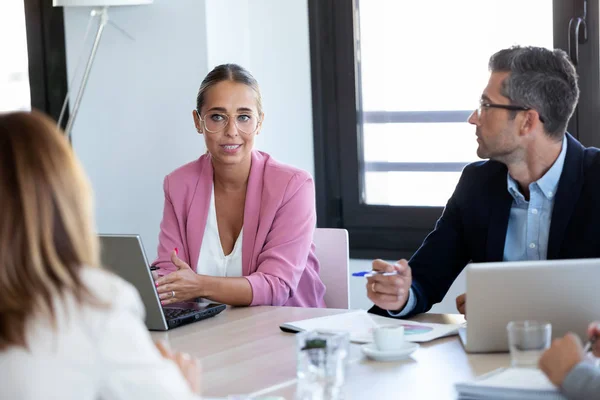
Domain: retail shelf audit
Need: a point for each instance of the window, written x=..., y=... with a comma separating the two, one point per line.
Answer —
x=416, y=95
x=14, y=75
x=393, y=85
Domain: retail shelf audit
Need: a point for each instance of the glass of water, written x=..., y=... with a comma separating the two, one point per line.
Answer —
x=527, y=340
x=321, y=364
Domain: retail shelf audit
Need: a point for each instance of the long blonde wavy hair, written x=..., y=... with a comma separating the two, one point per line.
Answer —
x=46, y=223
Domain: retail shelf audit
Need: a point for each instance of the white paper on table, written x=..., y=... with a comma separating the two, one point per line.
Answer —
x=511, y=383
x=361, y=325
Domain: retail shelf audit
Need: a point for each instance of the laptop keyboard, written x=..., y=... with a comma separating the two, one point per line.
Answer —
x=172, y=313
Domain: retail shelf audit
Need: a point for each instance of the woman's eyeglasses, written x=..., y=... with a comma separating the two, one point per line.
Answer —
x=214, y=122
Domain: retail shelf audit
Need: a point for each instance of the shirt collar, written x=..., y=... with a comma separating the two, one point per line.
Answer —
x=547, y=183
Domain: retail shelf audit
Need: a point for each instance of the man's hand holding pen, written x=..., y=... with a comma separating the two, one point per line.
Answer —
x=389, y=287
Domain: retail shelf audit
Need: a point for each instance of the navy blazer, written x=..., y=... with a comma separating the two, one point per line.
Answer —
x=473, y=226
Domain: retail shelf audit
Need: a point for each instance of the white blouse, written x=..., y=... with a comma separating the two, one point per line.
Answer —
x=212, y=260
x=95, y=352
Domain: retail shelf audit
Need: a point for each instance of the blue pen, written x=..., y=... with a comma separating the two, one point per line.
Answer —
x=371, y=273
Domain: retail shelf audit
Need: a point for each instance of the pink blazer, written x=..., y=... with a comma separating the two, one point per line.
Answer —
x=278, y=257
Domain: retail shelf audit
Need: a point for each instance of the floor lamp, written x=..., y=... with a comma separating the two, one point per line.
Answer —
x=100, y=11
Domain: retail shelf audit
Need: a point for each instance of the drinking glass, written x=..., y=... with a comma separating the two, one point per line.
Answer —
x=321, y=364
x=527, y=340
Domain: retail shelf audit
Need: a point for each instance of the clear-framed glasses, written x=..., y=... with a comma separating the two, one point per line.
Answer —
x=510, y=107
x=215, y=122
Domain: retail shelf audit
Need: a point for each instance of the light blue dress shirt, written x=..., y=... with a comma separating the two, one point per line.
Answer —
x=528, y=223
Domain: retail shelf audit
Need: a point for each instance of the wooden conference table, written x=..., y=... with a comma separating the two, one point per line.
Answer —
x=243, y=351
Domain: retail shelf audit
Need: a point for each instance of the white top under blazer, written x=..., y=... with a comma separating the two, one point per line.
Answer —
x=212, y=260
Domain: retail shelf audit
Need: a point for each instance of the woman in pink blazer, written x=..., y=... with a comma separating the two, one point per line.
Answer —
x=235, y=194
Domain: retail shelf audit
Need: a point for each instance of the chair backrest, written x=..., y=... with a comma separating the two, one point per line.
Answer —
x=334, y=258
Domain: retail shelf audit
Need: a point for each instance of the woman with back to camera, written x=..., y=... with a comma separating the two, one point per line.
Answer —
x=237, y=226
x=68, y=329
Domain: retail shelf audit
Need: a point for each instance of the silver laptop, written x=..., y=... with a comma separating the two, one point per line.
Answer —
x=565, y=293
x=125, y=256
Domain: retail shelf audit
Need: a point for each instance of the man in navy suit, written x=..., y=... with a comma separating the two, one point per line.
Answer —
x=536, y=198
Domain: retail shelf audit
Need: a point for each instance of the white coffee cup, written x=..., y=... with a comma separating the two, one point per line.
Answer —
x=389, y=337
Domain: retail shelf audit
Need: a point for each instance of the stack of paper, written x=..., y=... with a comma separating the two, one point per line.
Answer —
x=244, y=397
x=361, y=325
x=510, y=383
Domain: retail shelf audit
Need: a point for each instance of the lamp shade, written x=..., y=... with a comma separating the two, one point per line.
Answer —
x=99, y=3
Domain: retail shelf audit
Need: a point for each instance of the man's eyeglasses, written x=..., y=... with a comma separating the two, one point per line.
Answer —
x=510, y=107
x=213, y=122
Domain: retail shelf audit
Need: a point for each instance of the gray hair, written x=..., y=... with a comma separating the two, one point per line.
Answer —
x=542, y=79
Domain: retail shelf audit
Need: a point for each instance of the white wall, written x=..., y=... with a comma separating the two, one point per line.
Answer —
x=270, y=38
x=135, y=123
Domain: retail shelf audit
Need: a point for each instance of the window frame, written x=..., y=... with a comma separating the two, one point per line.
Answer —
x=393, y=232
x=46, y=50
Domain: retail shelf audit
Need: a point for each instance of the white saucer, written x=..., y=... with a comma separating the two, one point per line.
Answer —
x=371, y=351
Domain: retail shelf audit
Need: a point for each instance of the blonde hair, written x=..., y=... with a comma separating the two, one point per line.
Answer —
x=46, y=224
x=228, y=72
